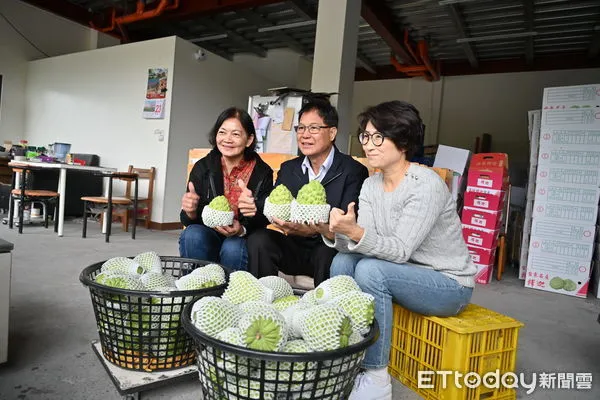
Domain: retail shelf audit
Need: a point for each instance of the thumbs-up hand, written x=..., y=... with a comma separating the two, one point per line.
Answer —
x=189, y=202
x=246, y=203
x=344, y=222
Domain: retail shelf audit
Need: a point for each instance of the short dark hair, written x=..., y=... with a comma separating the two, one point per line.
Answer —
x=398, y=121
x=247, y=123
x=324, y=109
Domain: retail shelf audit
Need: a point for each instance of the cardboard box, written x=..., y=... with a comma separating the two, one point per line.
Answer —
x=480, y=237
x=569, y=158
x=567, y=194
x=554, y=247
x=566, y=213
x=482, y=218
x=479, y=255
x=484, y=273
x=541, y=269
x=484, y=199
x=568, y=96
x=548, y=228
x=559, y=175
x=488, y=171
x=572, y=139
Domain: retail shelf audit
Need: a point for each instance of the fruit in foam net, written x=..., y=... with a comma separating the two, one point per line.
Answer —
x=220, y=203
x=281, y=195
x=313, y=193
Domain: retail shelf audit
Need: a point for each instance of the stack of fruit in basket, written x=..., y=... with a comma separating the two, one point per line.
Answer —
x=310, y=206
x=144, y=272
x=148, y=328
x=265, y=315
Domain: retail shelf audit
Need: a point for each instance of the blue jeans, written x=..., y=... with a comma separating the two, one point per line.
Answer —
x=420, y=290
x=204, y=243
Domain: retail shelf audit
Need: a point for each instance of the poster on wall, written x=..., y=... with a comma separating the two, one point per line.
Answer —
x=154, y=109
x=157, y=83
x=156, y=91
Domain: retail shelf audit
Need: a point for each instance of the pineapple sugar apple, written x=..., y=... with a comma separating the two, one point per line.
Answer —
x=263, y=328
x=283, y=303
x=155, y=281
x=194, y=282
x=220, y=203
x=360, y=307
x=217, y=213
x=279, y=286
x=281, y=195
x=243, y=287
x=335, y=287
x=310, y=206
x=149, y=261
x=122, y=265
x=278, y=204
x=312, y=193
x=212, y=315
x=326, y=327
x=213, y=271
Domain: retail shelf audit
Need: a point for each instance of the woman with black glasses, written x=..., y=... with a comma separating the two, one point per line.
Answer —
x=406, y=246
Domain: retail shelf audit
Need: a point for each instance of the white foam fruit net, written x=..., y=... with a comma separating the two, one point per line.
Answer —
x=213, y=218
x=281, y=211
x=321, y=325
x=309, y=213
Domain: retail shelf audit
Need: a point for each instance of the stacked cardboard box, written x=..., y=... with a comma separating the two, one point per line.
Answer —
x=482, y=214
x=567, y=191
x=535, y=118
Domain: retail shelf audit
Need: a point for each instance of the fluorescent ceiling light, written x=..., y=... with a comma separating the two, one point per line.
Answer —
x=211, y=37
x=287, y=26
x=494, y=37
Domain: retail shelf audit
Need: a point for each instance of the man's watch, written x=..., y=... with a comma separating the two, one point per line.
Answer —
x=243, y=231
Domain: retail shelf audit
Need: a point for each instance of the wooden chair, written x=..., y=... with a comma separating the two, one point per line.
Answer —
x=24, y=196
x=145, y=210
x=110, y=200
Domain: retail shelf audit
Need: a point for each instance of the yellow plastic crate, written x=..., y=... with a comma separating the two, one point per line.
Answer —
x=478, y=340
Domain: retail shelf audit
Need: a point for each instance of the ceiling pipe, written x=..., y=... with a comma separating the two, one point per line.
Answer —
x=140, y=14
x=424, y=53
x=408, y=46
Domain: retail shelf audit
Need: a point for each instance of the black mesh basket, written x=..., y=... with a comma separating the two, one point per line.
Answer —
x=142, y=330
x=236, y=373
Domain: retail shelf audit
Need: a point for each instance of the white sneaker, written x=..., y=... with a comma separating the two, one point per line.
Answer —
x=365, y=388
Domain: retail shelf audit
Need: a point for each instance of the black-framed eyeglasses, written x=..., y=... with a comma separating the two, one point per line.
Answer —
x=312, y=129
x=377, y=138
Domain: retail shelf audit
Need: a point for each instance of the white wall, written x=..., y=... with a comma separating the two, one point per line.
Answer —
x=280, y=66
x=425, y=96
x=201, y=90
x=94, y=101
x=53, y=35
x=497, y=104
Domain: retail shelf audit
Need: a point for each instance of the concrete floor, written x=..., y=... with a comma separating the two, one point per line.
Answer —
x=52, y=322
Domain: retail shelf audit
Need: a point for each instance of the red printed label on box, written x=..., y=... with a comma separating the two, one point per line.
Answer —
x=482, y=218
x=480, y=237
x=485, y=199
x=480, y=255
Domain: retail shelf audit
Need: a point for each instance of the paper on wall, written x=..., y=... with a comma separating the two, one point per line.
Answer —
x=262, y=127
x=279, y=141
x=275, y=111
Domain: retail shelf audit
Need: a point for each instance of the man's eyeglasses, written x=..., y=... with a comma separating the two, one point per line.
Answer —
x=377, y=138
x=313, y=129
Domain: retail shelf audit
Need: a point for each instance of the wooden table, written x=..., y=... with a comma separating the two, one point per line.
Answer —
x=62, y=181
